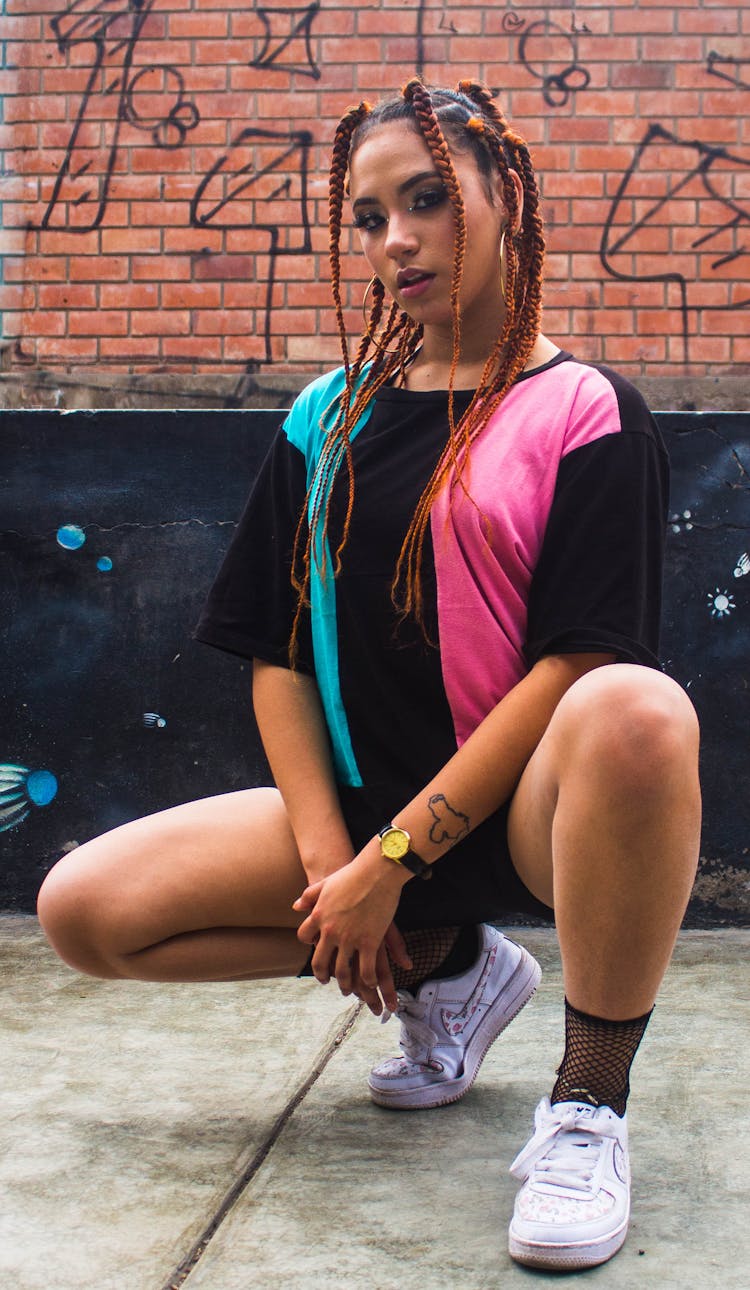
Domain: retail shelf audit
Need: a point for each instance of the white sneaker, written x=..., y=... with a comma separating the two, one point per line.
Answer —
x=573, y=1208
x=448, y=1026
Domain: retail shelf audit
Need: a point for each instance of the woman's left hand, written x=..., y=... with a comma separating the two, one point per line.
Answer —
x=349, y=914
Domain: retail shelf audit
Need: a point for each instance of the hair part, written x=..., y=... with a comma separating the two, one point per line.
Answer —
x=468, y=120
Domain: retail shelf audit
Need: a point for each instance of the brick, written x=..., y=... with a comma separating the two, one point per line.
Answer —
x=244, y=295
x=573, y=184
x=636, y=18
x=129, y=240
x=167, y=322
x=99, y=322
x=579, y=130
x=67, y=348
x=652, y=75
x=98, y=268
x=51, y=107
x=128, y=347
x=191, y=295
x=724, y=22
x=228, y=322
x=205, y=26
x=161, y=268
x=70, y=296
x=240, y=349
x=58, y=242
x=34, y=268
x=600, y=157
x=182, y=240
x=136, y=295
x=619, y=349
x=155, y=213
x=637, y=294
x=202, y=348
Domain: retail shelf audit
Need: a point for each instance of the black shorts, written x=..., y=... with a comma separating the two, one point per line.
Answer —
x=475, y=882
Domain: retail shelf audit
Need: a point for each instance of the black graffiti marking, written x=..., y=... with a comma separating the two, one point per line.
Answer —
x=168, y=131
x=512, y=22
x=733, y=76
x=705, y=156
x=557, y=87
x=420, y=57
x=89, y=21
x=447, y=24
x=233, y=179
x=276, y=44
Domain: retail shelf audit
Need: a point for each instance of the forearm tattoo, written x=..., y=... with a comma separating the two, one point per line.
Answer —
x=450, y=825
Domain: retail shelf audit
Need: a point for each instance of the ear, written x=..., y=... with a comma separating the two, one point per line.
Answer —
x=516, y=181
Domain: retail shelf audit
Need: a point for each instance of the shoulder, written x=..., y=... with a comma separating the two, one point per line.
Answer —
x=597, y=402
x=302, y=425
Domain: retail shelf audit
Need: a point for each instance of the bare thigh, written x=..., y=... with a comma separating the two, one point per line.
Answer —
x=222, y=862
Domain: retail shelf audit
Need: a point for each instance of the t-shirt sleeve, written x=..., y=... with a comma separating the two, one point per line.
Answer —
x=251, y=606
x=598, y=583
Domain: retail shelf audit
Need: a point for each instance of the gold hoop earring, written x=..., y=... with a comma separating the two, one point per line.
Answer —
x=503, y=265
x=373, y=339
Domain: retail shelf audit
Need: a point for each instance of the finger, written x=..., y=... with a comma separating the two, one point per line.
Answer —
x=385, y=979
x=308, y=932
x=322, y=962
x=344, y=970
x=308, y=897
x=369, y=997
x=396, y=946
x=367, y=968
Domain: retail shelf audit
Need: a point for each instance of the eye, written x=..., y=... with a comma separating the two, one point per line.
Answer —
x=368, y=221
x=429, y=198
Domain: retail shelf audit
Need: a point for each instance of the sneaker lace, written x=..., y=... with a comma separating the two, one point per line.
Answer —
x=563, y=1152
x=416, y=1035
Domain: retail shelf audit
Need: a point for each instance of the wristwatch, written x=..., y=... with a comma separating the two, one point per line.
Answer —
x=395, y=844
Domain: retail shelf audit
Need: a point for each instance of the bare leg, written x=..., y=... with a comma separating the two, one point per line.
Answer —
x=605, y=825
x=201, y=892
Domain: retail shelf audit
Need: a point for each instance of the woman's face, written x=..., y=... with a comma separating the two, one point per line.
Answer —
x=407, y=228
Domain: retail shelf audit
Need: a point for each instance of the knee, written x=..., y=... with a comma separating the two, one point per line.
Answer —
x=632, y=723
x=66, y=913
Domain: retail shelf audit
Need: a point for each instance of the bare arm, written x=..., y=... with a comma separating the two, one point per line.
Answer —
x=348, y=910
x=292, y=726
x=295, y=738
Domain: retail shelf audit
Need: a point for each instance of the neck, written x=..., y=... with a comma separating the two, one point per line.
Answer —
x=431, y=367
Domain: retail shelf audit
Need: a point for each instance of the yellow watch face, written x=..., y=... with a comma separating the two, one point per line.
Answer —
x=395, y=844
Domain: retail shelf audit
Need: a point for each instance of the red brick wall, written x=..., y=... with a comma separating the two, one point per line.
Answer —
x=149, y=225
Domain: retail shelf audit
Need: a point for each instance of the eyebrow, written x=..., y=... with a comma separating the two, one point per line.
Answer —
x=402, y=188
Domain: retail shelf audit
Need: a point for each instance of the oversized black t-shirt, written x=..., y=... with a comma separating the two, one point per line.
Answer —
x=558, y=549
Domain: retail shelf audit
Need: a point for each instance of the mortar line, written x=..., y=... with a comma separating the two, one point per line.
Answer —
x=235, y=1191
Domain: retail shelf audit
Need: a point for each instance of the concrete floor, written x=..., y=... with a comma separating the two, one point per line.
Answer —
x=221, y=1137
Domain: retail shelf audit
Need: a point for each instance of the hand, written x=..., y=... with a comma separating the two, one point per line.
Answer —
x=391, y=950
x=349, y=914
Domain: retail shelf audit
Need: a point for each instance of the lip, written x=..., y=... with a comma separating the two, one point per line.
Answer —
x=413, y=282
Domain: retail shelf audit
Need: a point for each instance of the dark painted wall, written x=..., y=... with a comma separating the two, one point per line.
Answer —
x=103, y=689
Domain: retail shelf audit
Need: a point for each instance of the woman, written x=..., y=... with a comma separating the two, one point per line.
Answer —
x=453, y=540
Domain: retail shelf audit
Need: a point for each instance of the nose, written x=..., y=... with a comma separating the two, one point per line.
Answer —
x=400, y=239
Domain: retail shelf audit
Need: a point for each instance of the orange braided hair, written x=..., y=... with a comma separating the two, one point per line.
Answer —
x=474, y=123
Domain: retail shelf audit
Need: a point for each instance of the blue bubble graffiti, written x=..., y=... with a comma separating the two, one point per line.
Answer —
x=20, y=789
x=71, y=537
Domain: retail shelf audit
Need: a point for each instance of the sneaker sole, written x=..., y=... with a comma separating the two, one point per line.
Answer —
x=525, y=981
x=566, y=1258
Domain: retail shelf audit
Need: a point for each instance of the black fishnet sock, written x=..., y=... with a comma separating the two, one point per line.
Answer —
x=436, y=953
x=597, y=1060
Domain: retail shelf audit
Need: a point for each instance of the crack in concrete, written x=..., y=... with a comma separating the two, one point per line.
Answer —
x=234, y=1193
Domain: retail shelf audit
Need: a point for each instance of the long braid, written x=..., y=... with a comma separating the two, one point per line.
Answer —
x=399, y=338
